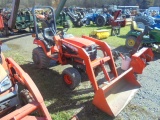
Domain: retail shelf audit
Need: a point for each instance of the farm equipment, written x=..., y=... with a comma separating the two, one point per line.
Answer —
x=95, y=18
x=143, y=21
x=116, y=23
x=9, y=20
x=139, y=55
x=152, y=39
x=24, y=20
x=16, y=20
x=77, y=19
x=63, y=20
x=15, y=103
x=140, y=58
x=100, y=34
x=82, y=53
x=117, y=19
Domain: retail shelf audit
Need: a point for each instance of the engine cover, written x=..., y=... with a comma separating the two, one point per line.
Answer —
x=81, y=42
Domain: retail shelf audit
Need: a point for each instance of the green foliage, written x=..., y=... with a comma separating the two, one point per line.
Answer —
x=146, y=3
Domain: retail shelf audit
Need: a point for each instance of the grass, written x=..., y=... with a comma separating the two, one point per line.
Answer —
x=113, y=41
x=61, y=102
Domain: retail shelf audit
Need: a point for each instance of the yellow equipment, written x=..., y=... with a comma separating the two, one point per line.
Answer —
x=100, y=34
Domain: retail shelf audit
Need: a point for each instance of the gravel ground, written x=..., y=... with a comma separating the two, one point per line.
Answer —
x=146, y=103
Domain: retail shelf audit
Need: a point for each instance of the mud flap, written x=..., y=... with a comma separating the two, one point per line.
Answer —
x=140, y=58
x=114, y=96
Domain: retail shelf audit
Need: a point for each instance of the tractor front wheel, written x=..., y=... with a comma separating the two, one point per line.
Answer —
x=130, y=42
x=88, y=22
x=39, y=58
x=71, y=77
x=26, y=97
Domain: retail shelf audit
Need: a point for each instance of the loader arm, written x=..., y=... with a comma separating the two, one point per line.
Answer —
x=59, y=8
x=38, y=103
x=12, y=20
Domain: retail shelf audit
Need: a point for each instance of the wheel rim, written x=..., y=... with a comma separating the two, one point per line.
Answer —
x=67, y=79
x=99, y=21
x=131, y=42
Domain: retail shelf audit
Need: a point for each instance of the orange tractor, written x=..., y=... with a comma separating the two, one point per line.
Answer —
x=15, y=104
x=113, y=94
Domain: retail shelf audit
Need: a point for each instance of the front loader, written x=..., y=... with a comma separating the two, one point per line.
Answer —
x=16, y=104
x=82, y=53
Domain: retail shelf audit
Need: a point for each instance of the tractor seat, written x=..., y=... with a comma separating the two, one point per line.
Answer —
x=48, y=35
x=135, y=27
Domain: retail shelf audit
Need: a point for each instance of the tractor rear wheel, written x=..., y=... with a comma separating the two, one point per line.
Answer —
x=71, y=77
x=5, y=32
x=39, y=58
x=100, y=21
x=130, y=42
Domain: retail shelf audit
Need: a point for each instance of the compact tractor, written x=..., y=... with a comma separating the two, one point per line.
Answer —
x=82, y=53
x=150, y=37
x=19, y=96
x=106, y=18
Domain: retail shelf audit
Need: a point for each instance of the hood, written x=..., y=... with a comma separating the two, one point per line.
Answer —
x=81, y=42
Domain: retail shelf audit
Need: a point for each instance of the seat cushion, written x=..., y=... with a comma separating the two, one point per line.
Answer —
x=135, y=27
x=48, y=35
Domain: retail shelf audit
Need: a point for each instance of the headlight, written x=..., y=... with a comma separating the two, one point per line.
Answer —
x=5, y=84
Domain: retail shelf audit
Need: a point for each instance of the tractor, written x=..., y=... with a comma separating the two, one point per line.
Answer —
x=82, y=53
x=95, y=18
x=150, y=36
x=143, y=21
x=63, y=20
x=19, y=96
x=76, y=18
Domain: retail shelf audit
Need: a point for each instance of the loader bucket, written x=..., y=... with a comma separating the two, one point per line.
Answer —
x=139, y=59
x=113, y=97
